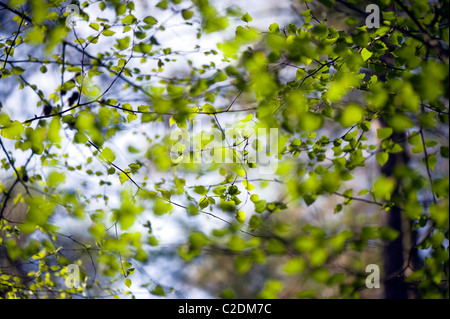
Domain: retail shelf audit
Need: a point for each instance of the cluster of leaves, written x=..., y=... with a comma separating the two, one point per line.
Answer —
x=299, y=79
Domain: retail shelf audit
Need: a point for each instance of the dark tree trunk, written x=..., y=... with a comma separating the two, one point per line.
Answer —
x=393, y=255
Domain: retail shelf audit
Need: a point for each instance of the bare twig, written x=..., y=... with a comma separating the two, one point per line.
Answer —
x=13, y=43
x=359, y=199
x=87, y=248
x=14, y=167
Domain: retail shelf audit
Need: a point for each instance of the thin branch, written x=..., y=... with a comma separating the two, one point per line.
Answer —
x=317, y=70
x=117, y=167
x=14, y=167
x=413, y=17
x=62, y=70
x=78, y=104
x=387, y=66
x=312, y=12
x=5, y=201
x=32, y=87
x=359, y=199
x=240, y=181
x=13, y=43
x=87, y=248
x=124, y=273
x=101, y=64
x=433, y=109
x=352, y=7
x=17, y=12
x=234, y=100
x=9, y=192
x=54, y=114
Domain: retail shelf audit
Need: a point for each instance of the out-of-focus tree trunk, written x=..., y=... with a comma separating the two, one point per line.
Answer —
x=395, y=255
x=16, y=213
x=394, y=251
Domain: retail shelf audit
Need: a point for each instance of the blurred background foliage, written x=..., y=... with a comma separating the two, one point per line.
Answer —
x=93, y=92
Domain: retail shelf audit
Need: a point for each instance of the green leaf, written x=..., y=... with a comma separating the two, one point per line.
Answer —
x=69, y=85
x=294, y=266
x=198, y=239
x=219, y=190
x=162, y=207
x=254, y=222
x=382, y=158
x=74, y=69
x=242, y=264
x=203, y=202
x=108, y=33
x=149, y=20
x=274, y=28
x=120, y=9
x=123, y=44
x=254, y=198
x=227, y=294
x=53, y=131
x=320, y=275
x=39, y=211
x=276, y=247
x=247, y=185
x=352, y=114
x=366, y=54
x=246, y=17
x=55, y=178
x=17, y=70
x=108, y=155
x=158, y=291
x=175, y=91
x=131, y=117
x=307, y=294
x=439, y=214
x=94, y=26
x=365, y=126
x=318, y=256
x=208, y=108
x=162, y=4
x=97, y=230
x=400, y=122
x=127, y=282
x=384, y=133
x=236, y=243
x=187, y=14
x=124, y=176
x=363, y=192
x=201, y=190
x=431, y=160
x=384, y=187
x=416, y=141
x=310, y=122
x=240, y=217
x=248, y=118
x=271, y=289
x=12, y=130
x=388, y=233
x=129, y=19
x=52, y=16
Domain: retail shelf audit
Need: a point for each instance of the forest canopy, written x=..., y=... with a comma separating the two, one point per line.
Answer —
x=223, y=149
